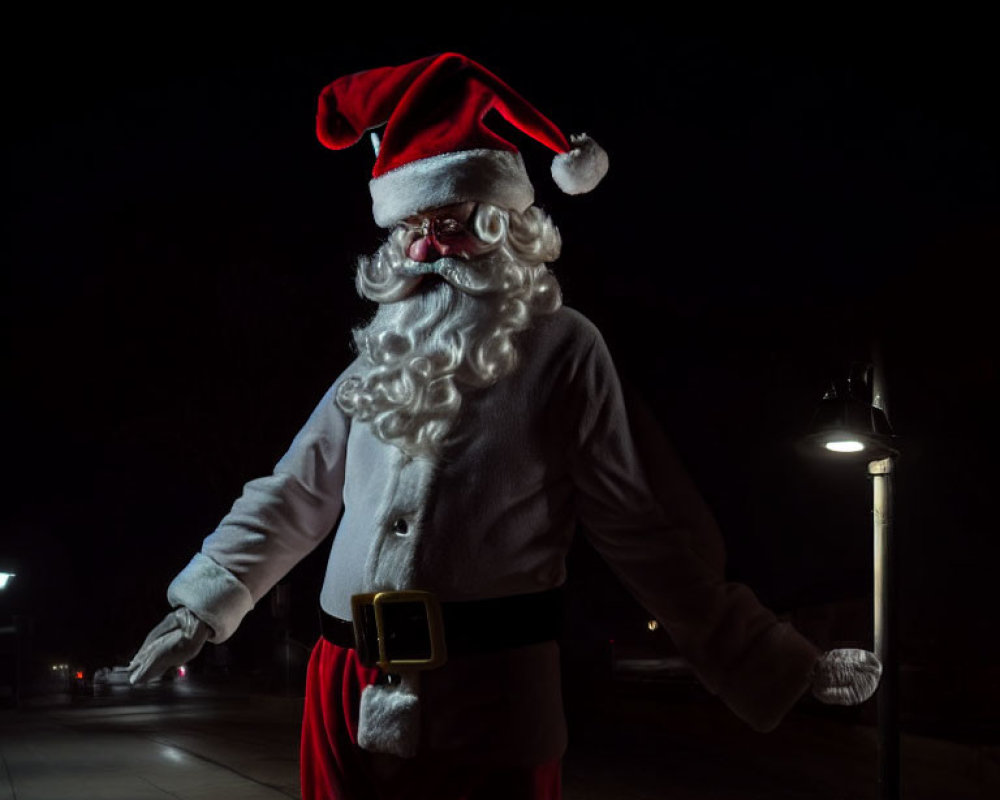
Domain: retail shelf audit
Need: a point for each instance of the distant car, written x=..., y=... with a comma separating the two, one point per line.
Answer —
x=114, y=680
x=78, y=683
x=107, y=679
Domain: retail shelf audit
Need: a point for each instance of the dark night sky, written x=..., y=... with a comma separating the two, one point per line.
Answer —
x=179, y=291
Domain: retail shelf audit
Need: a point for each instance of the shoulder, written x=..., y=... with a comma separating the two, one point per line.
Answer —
x=327, y=414
x=567, y=328
x=564, y=348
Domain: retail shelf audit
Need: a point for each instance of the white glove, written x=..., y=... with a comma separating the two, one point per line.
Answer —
x=846, y=677
x=173, y=642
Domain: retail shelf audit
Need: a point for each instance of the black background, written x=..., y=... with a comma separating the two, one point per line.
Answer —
x=179, y=291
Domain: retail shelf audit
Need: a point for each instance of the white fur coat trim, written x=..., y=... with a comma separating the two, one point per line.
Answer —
x=481, y=176
x=213, y=593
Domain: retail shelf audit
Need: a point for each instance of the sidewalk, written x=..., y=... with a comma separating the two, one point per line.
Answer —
x=202, y=750
x=631, y=745
x=646, y=746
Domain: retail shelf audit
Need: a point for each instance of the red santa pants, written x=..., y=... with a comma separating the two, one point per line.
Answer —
x=333, y=767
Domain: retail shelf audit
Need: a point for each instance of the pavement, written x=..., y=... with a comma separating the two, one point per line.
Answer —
x=194, y=746
x=632, y=741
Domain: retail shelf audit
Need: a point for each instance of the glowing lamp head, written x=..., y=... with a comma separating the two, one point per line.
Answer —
x=844, y=446
x=847, y=423
x=4, y=578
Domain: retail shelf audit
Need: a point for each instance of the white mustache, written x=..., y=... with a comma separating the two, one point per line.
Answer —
x=481, y=275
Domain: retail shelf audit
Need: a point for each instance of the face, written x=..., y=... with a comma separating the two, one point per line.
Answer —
x=442, y=232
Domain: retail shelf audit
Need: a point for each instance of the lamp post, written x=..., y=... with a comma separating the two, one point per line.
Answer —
x=852, y=422
x=14, y=629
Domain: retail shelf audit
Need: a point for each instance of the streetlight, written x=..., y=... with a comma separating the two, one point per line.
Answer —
x=4, y=578
x=852, y=422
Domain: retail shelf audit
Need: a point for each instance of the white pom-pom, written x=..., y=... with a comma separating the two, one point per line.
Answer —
x=582, y=168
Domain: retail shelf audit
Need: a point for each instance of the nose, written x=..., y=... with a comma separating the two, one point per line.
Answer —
x=430, y=248
x=424, y=249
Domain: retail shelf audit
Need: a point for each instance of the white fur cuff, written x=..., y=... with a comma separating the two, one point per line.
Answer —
x=213, y=593
x=582, y=168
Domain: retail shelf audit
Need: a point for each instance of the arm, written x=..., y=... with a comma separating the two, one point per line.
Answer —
x=275, y=523
x=646, y=519
x=271, y=527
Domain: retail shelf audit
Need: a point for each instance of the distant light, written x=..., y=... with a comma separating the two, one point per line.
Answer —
x=79, y=674
x=4, y=577
x=846, y=446
x=181, y=671
x=653, y=625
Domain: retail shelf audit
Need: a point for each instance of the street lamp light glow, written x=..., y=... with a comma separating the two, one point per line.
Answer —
x=845, y=446
x=851, y=419
x=4, y=577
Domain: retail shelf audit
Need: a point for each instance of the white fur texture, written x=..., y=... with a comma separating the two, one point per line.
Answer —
x=213, y=593
x=846, y=677
x=479, y=176
x=582, y=168
x=389, y=721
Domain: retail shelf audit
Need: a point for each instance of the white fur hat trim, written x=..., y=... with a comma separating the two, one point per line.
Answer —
x=481, y=176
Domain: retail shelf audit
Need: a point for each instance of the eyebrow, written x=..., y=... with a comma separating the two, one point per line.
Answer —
x=417, y=219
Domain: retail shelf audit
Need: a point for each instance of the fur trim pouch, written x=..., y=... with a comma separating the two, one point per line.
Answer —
x=389, y=720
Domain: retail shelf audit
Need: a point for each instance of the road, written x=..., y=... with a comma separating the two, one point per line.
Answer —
x=631, y=742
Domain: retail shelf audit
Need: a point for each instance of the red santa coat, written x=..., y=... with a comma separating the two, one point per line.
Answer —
x=545, y=448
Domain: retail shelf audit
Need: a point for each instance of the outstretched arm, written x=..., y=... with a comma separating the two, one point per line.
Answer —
x=276, y=522
x=645, y=517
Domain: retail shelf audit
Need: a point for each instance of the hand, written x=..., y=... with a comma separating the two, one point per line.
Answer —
x=846, y=677
x=173, y=642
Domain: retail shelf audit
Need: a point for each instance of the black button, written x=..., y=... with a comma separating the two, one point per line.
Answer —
x=400, y=526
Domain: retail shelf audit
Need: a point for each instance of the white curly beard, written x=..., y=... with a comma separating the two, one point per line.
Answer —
x=445, y=326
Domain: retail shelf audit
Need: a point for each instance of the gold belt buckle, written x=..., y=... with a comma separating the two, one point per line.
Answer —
x=435, y=627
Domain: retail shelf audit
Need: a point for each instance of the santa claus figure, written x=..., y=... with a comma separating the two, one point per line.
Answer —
x=481, y=422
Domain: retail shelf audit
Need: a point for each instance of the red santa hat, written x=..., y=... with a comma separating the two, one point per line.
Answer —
x=436, y=149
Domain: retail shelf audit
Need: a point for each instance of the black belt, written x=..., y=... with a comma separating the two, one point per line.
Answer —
x=415, y=631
